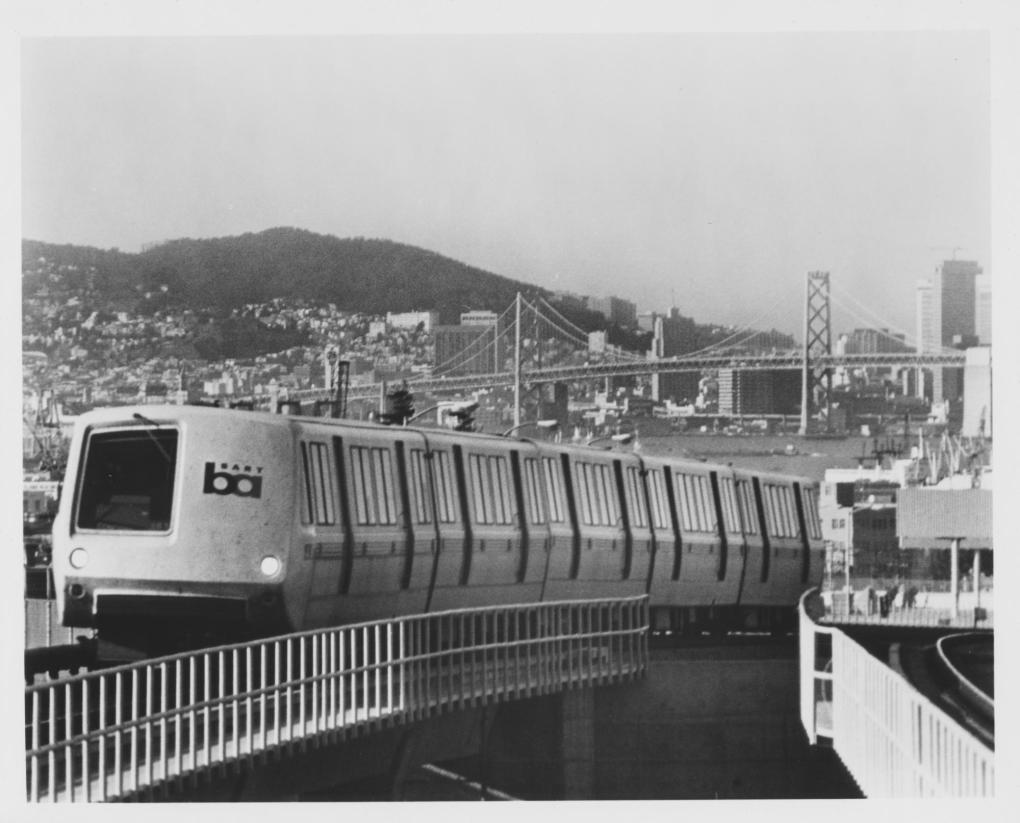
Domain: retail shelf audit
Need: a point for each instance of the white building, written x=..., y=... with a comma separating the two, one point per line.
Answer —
x=983, y=309
x=929, y=330
x=977, y=393
x=412, y=319
x=478, y=318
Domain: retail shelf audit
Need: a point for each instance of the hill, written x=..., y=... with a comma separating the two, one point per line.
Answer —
x=357, y=274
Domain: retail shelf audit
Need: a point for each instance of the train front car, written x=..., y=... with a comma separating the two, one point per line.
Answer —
x=175, y=527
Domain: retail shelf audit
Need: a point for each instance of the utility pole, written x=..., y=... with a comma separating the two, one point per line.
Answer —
x=517, y=362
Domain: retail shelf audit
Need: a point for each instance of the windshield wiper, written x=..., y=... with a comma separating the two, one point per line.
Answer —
x=153, y=437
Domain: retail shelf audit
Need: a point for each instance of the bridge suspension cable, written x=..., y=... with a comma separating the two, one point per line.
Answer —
x=866, y=316
x=466, y=355
x=572, y=332
x=751, y=328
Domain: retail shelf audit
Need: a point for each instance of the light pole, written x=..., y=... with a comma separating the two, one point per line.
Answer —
x=331, y=358
x=541, y=424
x=423, y=413
x=622, y=439
x=453, y=408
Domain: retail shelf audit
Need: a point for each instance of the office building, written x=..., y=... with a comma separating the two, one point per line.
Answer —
x=465, y=349
x=947, y=318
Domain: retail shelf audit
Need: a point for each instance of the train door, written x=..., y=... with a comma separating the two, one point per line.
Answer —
x=814, y=557
x=326, y=544
x=451, y=560
x=386, y=569
x=602, y=563
x=733, y=562
x=665, y=557
x=564, y=553
x=536, y=534
x=637, y=515
x=786, y=549
x=755, y=551
x=496, y=551
x=699, y=583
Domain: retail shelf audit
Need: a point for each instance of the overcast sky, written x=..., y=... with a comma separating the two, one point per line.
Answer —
x=714, y=168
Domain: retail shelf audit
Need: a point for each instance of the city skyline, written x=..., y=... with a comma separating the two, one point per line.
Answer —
x=710, y=167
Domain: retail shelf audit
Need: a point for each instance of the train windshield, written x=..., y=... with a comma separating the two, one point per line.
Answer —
x=128, y=480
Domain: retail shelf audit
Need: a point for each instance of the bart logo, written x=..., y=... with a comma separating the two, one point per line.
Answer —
x=237, y=483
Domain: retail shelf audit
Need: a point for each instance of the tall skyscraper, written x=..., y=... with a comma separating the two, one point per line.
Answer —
x=673, y=335
x=983, y=309
x=946, y=318
x=956, y=279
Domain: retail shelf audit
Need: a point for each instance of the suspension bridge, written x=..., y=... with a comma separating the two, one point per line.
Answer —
x=532, y=343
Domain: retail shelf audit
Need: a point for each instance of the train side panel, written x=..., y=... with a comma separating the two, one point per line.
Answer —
x=753, y=539
x=367, y=535
x=601, y=561
x=708, y=575
x=813, y=525
x=492, y=563
x=782, y=577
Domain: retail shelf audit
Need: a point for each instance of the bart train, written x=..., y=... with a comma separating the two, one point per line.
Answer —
x=183, y=526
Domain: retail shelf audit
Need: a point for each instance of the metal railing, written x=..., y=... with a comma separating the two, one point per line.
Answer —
x=894, y=741
x=155, y=725
x=972, y=694
x=856, y=609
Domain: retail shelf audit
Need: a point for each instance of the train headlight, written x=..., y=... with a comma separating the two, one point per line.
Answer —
x=270, y=566
x=78, y=558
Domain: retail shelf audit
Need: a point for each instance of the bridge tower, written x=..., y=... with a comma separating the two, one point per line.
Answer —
x=817, y=341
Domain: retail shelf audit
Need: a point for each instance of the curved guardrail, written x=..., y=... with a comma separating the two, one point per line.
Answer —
x=974, y=696
x=129, y=731
x=893, y=740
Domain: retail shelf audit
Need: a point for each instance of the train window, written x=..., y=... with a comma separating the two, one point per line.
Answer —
x=635, y=499
x=128, y=480
x=596, y=495
x=533, y=491
x=779, y=528
x=729, y=505
x=660, y=503
x=814, y=525
x=601, y=491
x=491, y=489
x=697, y=514
x=686, y=506
x=612, y=503
x=747, y=508
x=319, y=481
x=780, y=516
x=374, y=498
x=306, y=509
x=769, y=501
x=554, y=490
x=583, y=493
x=446, y=488
x=419, y=487
x=780, y=513
x=786, y=494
